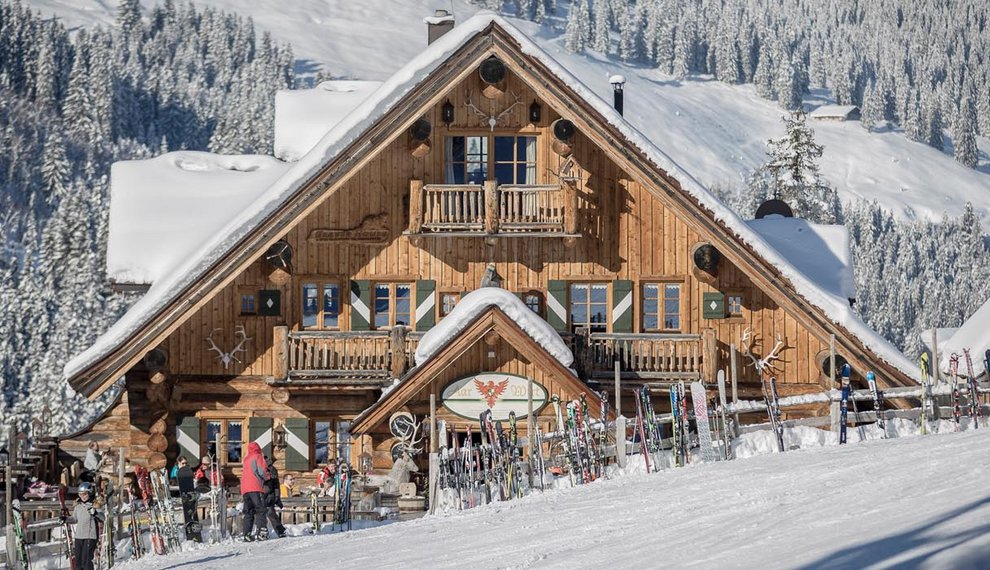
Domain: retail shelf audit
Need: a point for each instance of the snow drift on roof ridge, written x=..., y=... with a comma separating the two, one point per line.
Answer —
x=477, y=302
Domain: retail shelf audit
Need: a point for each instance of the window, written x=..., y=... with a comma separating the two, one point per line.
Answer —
x=662, y=306
x=589, y=306
x=231, y=437
x=344, y=440
x=321, y=441
x=393, y=304
x=447, y=303
x=533, y=301
x=470, y=159
x=733, y=305
x=249, y=305
x=331, y=440
x=320, y=305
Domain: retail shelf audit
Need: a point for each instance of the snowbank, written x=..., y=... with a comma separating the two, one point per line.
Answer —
x=162, y=210
x=819, y=251
x=475, y=303
x=303, y=116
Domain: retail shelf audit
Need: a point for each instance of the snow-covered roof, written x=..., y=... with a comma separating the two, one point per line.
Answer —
x=974, y=335
x=819, y=251
x=303, y=116
x=162, y=210
x=392, y=91
x=475, y=303
x=833, y=111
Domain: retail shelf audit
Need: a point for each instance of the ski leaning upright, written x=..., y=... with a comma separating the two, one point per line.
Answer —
x=974, y=401
x=844, y=403
x=871, y=379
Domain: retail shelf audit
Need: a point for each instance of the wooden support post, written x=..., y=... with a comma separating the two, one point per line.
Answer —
x=8, y=500
x=491, y=207
x=834, y=406
x=397, y=342
x=735, y=384
x=710, y=355
x=618, y=390
x=434, y=453
x=415, y=206
x=570, y=207
x=280, y=341
x=620, y=441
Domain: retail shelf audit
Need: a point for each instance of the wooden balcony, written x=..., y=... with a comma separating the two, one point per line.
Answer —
x=492, y=210
x=657, y=357
x=368, y=358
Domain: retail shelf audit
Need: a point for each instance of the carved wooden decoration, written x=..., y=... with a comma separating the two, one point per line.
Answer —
x=158, y=443
x=372, y=230
x=280, y=396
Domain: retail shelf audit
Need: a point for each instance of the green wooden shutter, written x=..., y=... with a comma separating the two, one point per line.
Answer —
x=361, y=305
x=297, y=444
x=187, y=436
x=622, y=306
x=260, y=432
x=557, y=305
x=426, y=303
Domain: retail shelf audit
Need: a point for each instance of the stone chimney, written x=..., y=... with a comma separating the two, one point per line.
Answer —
x=438, y=24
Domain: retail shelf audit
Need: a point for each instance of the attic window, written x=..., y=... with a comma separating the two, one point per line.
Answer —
x=472, y=159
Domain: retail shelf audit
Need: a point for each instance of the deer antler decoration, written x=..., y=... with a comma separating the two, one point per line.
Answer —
x=492, y=118
x=411, y=438
x=228, y=357
x=765, y=364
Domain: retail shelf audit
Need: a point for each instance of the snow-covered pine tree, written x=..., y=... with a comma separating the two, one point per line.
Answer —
x=964, y=132
x=792, y=163
x=578, y=26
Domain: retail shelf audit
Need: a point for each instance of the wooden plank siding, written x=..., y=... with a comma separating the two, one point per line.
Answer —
x=627, y=233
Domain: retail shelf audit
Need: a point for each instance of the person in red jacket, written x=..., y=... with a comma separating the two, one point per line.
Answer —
x=252, y=486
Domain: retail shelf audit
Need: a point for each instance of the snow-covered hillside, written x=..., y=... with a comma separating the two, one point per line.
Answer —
x=914, y=502
x=713, y=130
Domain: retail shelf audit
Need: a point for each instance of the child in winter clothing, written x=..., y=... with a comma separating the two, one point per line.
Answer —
x=85, y=516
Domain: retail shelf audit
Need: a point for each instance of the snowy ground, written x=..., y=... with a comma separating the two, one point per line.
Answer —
x=912, y=502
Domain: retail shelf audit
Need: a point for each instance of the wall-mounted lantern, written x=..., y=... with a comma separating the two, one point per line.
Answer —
x=447, y=112
x=278, y=437
x=535, y=112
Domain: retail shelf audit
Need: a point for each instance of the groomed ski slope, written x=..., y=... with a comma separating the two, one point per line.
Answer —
x=912, y=502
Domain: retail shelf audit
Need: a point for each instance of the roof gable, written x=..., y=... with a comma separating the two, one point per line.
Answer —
x=386, y=114
x=491, y=319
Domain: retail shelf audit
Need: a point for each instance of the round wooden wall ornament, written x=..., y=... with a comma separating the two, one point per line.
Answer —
x=158, y=427
x=280, y=396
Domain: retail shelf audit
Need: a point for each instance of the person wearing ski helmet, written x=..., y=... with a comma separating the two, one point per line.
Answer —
x=85, y=516
x=253, y=480
x=273, y=498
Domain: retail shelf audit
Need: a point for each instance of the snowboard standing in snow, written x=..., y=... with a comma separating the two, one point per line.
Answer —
x=700, y=399
x=722, y=416
x=844, y=403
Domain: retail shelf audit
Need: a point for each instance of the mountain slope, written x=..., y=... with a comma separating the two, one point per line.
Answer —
x=715, y=131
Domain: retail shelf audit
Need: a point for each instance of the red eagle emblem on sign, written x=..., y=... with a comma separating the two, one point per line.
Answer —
x=490, y=391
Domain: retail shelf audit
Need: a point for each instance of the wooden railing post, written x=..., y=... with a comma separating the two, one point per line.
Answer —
x=415, y=206
x=397, y=346
x=280, y=366
x=570, y=207
x=491, y=207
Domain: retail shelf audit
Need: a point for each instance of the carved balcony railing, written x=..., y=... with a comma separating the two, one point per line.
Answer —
x=646, y=356
x=323, y=355
x=547, y=210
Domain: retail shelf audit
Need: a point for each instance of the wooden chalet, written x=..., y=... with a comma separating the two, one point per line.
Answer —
x=482, y=162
